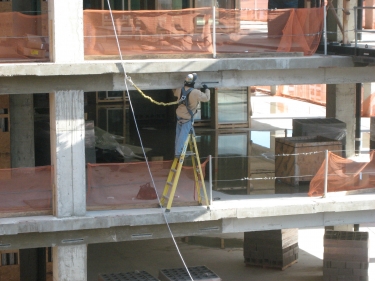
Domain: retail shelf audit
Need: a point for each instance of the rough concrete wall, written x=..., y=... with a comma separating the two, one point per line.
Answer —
x=341, y=105
x=70, y=263
x=22, y=130
x=68, y=152
x=66, y=33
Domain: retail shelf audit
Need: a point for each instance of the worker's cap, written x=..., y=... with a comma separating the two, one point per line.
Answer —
x=190, y=78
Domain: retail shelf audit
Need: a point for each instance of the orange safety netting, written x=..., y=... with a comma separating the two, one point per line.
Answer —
x=23, y=37
x=343, y=175
x=315, y=93
x=166, y=31
x=368, y=106
x=25, y=189
x=190, y=31
x=129, y=185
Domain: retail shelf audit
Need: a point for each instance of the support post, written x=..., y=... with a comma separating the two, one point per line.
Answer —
x=341, y=105
x=326, y=176
x=358, y=106
x=214, y=28
x=66, y=30
x=210, y=176
x=68, y=153
x=70, y=263
x=325, y=29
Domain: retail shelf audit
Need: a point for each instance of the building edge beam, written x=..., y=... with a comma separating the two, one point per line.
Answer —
x=134, y=233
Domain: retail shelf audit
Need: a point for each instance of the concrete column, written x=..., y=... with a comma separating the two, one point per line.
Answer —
x=66, y=30
x=69, y=263
x=340, y=104
x=22, y=130
x=68, y=153
x=346, y=21
x=273, y=90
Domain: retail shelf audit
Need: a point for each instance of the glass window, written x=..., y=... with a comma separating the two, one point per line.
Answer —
x=232, y=162
x=232, y=105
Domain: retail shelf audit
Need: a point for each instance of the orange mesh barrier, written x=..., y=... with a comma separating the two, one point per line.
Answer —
x=315, y=93
x=23, y=37
x=25, y=189
x=302, y=31
x=148, y=31
x=190, y=31
x=343, y=175
x=125, y=185
x=368, y=106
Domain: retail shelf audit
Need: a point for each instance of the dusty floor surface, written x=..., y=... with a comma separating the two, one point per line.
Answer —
x=227, y=263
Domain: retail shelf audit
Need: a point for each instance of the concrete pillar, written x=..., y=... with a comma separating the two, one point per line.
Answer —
x=346, y=21
x=69, y=263
x=22, y=130
x=68, y=153
x=340, y=104
x=66, y=30
x=273, y=90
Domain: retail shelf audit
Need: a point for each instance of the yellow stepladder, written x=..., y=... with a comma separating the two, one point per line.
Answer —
x=174, y=174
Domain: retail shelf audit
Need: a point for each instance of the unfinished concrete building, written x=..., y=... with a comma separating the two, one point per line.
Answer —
x=72, y=116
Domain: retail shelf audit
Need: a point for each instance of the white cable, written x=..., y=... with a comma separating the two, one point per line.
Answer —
x=140, y=139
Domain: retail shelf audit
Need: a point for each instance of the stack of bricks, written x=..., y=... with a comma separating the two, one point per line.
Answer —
x=272, y=248
x=346, y=256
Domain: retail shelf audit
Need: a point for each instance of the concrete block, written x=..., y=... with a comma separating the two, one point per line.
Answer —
x=360, y=272
x=337, y=264
x=327, y=264
x=328, y=256
x=345, y=271
x=330, y=271
x=353, y=264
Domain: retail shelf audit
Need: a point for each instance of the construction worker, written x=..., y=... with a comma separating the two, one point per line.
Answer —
x=189, y=99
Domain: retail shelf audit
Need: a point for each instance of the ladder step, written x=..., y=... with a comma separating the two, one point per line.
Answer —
x=173, y=170
x=169, y=183
x=165, y=197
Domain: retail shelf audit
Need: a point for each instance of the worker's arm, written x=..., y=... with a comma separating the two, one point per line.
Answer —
x=202, y=96
x=177, y=92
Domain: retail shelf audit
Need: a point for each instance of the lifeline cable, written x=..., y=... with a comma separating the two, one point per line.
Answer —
x=140, y=139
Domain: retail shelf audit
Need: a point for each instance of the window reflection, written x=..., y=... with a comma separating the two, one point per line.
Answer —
x=232, y=163
x=232, y=105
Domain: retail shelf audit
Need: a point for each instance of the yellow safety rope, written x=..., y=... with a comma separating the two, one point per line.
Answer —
x=149, y=98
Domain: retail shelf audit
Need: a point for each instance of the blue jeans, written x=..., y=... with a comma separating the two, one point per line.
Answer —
x=182, y=132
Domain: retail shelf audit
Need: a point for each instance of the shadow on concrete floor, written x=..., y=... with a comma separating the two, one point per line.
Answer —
x=227, y=263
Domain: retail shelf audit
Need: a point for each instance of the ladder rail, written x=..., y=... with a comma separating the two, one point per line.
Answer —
x=199, y=166
x=174, y=173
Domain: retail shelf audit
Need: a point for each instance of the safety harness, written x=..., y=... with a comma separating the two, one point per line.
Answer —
x=184, y=99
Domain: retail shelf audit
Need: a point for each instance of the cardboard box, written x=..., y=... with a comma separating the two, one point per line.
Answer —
x=29, y=52
x=37, y=44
